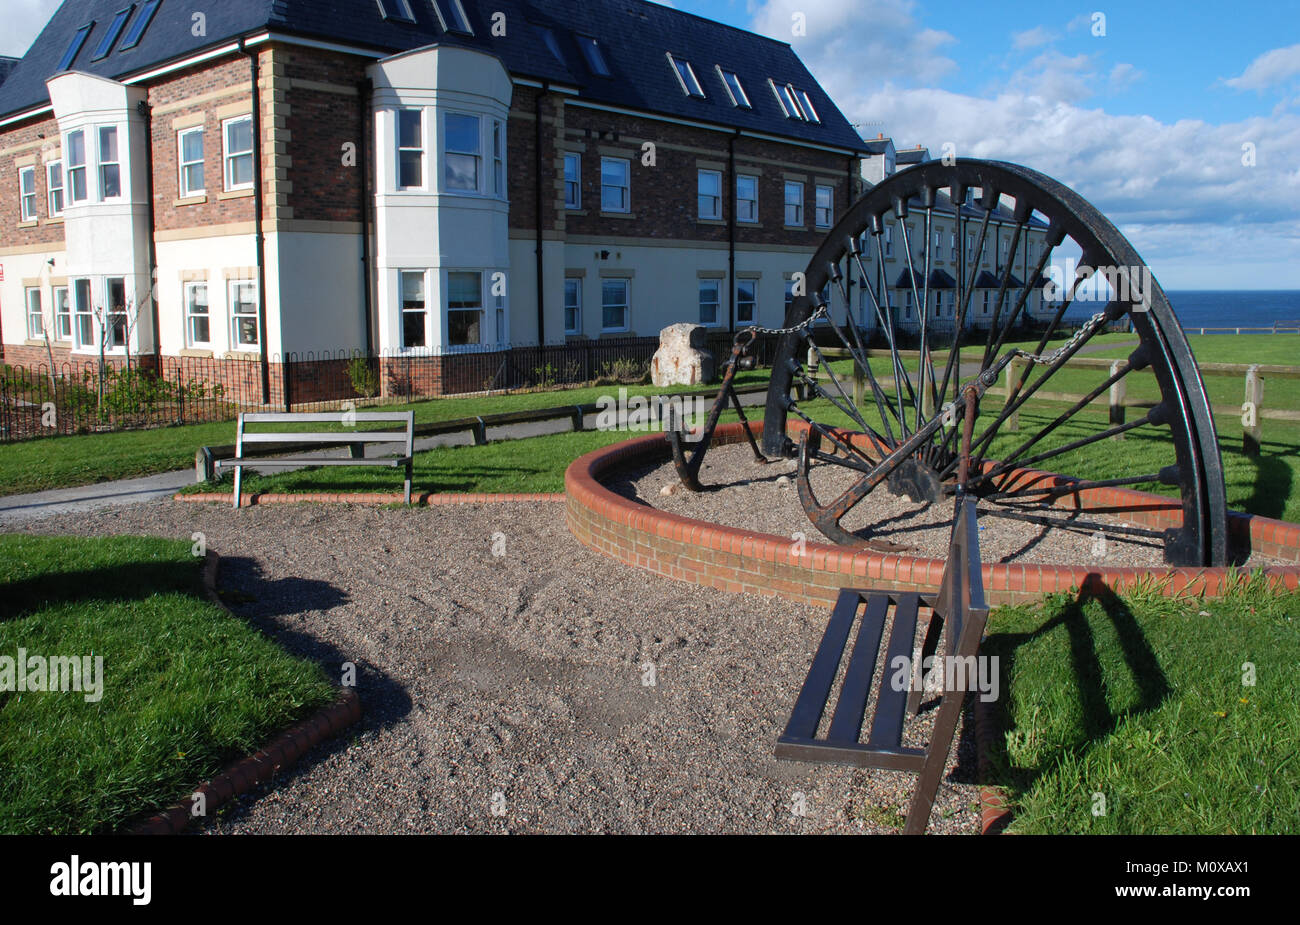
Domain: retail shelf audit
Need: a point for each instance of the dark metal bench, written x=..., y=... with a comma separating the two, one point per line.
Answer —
x=355, y=440
x=959, y=605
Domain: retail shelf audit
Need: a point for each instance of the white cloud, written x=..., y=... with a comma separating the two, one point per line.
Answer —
x=1123, y=76
x=1032, y=38
x=24, y=20
x=1270, y=69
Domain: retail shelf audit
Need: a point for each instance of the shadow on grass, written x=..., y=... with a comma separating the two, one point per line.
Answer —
x=1086, y=673
x=131, y=581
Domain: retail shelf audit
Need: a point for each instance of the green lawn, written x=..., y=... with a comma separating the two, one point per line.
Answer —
x=186, y=686
x=61, y=462
x=1134, y=715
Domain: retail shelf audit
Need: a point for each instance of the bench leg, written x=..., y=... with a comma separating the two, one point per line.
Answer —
x=936, y=758
x=408, y=483
x=239, y=473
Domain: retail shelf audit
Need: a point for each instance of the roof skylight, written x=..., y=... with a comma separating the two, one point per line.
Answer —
x=74, y=46
x=552, y=43
x=139, y=24
x=735, y=89
x=809, y=111
x=686, y=77
x=455, y=19
x=399, y=10
x=595, y=57
x=114, y=30
x=785, y=97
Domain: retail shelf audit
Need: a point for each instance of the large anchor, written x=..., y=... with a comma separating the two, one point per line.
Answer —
x=688, y=465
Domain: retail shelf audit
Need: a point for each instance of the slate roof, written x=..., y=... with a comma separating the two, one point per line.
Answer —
x=7, y=64
x=635, y=36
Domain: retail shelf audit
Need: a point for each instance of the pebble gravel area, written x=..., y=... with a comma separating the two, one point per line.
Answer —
x=514, y=681
x=763, y=498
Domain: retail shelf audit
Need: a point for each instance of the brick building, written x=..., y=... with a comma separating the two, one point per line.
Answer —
x=401, y=177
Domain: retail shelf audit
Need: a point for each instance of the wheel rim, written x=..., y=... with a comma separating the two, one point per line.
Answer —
x=862, y=435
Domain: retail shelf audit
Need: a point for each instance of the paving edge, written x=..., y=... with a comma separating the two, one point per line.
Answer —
x=995, y=808
x=247, y=773
x=424, y=500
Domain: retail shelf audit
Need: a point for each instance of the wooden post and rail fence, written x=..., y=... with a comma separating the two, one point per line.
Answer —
x=1251, y=411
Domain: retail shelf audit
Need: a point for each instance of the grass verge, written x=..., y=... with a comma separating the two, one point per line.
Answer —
x=186, y=686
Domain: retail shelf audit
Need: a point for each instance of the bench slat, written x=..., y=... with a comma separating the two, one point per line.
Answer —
x=321, y=417
x=887, y=724
x=846, y=724
x=256, y=461
x=357, y=436
x=808, y=708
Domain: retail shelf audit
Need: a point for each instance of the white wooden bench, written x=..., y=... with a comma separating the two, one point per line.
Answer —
x=355, y=440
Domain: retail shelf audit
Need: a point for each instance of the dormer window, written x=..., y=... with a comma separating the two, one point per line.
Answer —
x=114, y=30
x=735, y=90
x=595, y=57
x=74, y=47
x=141, y=22
x=686, y=77
x=399, y=10
x=454, y=18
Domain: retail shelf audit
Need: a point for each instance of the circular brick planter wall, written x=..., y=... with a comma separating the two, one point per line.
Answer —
x=758, y=563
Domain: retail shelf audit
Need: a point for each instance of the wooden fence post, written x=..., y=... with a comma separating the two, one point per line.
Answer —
x=1250, y=411
x=1118, y=391
x=1012, y=376
x=858, y=384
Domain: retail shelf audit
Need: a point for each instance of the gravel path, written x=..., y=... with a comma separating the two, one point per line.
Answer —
x=764, y=498
x=521, y=677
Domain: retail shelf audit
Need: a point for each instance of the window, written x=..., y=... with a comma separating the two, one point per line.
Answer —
x=410, y=149
x=76, y=152
x=970, y=247
x=198, y=329
x=988, y=296
x=572, y=305
x=115, y=298
x=793, y=202
x=62, y=314
x=746, y=198
x=244, y=329
x=238, y=157
x=590, y=49
x=552, y=43
x=789, y=295
x=464, y=307
x=889, y=240
x=785, y=98
x=907, y=303
x=110, y=168
x=35, y=319
x=938, y=244
x=952, y=240
x=399, y=10
x=54, y=184
x=74, y=47
x=414, y=308
x=735, y=90
x=710, y=298
x=809, y=112
x=461, y=147
x=455, y=19
x=84, y=314
x=573, y=181
x=114, y=30
x=134, y=34
x=746, y=301
x=27, y=193
x=709, y=194
x=500, y=302
x=614, y=304
x=189, y=149
x=825, y=206
x=498, y=158
x=686, y=77
x=615, y=195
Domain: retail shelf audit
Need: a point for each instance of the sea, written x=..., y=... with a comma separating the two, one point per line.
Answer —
x=1232, y=309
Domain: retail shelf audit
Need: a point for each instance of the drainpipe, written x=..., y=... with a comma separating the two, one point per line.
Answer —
x=850, y=173
x=365, y=89
x=731, y=232
x=541, y=301
x=146, y=112
x=258, y=211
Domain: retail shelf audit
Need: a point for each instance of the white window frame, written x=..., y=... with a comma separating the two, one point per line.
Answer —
x=403, y=311
x=799, y=216
x=447, y=309
x=102, y=165
x=398, y=148
x=573, y=186
x=400, y=12
x=752, y=302
x=190, y=288
x=741, y=101
x=593, y=55
x=785, y=98
x=499, y=158
x=691, y=87
x=35, y=331
x=576, y=308
x=182, y=184
x=626, y=304
x=742, y=200
x=235, y=344
x=828, y=209
x=26, y=200
x=448, y=152
x=62, y=316
x=889, y=240
x=627, y=189
x=76, y=169
x=83, y=314
x=715, y=283
x=459, y=24
x=109, y=316
x=228, y=157
x=51, y=188
x=806, y=104
x=952, y=241
x=714, y=199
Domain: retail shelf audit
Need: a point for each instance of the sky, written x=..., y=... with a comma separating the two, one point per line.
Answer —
x=1180, y=121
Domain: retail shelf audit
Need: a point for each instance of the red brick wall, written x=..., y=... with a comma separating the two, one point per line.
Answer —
x=44, y=131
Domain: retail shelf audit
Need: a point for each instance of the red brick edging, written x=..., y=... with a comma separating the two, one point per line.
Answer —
x=249, y=499
x=744, y=561
x=244, y=775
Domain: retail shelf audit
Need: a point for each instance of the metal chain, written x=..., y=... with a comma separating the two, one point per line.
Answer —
x=1049, y=358
x=821, y=310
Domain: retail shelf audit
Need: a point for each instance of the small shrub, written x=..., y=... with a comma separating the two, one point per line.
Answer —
x=362, y=375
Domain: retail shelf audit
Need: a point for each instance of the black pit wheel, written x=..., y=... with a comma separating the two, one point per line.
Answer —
x=901, y=432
